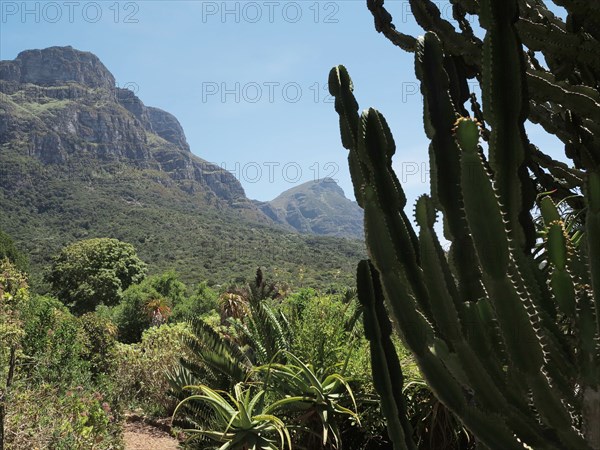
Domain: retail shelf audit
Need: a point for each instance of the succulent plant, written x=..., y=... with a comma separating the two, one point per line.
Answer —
x=510, y=346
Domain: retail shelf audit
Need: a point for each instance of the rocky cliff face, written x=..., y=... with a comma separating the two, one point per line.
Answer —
x=60, y=104
x=80, y=158
x=317, y=207
x=65, y=126
x=57, y=66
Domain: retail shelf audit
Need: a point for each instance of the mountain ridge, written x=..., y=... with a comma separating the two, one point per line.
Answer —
x=83, y=158
x=317, y=207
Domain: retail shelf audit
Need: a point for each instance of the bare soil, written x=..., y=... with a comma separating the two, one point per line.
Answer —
x=143, y=436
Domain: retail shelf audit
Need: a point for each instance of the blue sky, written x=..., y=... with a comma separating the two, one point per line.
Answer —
x=247, y=80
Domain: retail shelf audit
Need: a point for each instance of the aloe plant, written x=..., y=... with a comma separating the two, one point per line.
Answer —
x=239, y=421
x=318, y=399
x=483, y=320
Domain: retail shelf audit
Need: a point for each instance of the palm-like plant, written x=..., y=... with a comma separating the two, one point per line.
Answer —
x=239, y=421
x=232, y=305
x=264, y=330
x=158, y=310
x=261, y=334
x=317, y=400
x=223, y=358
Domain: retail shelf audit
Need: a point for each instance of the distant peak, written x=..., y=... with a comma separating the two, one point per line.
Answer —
x=57, y=65
x=327, y=184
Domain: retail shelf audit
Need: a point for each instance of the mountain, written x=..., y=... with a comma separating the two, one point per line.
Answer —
x=82, y=158
x=317, y=207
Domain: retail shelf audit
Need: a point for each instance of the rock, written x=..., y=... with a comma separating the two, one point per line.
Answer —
x=317, y=207
x=61, y=106
x=167, y=127
x=57, y=65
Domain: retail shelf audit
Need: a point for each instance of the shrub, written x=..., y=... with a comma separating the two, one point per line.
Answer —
x=320, y=334
x=9, y=250
x=132, y=316
x=94, y=272
x=142, y=368
x=202, y=302
x=100, y=341
x=169, y=285
x=14, y=295
x=44, y=416
x=54, y=343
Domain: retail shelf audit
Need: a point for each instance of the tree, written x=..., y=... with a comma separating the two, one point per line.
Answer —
x=95, y=272
x=149, y=303
x=10, y=251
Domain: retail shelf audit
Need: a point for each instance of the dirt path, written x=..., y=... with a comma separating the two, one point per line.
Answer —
x=141, y=436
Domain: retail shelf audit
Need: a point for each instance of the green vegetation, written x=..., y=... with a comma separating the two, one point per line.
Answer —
x=171, y=230
x=240, y=422
x=93, y=364
x=10, y=252
x=494, y=344
x=128, y=183
x=94, y=272
x=506, y=327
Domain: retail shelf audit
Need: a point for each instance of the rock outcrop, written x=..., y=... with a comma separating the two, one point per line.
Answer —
x=56, y=66
x=60, y=104
x=317, y=207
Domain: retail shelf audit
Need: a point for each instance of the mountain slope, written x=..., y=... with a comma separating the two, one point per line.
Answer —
x=317, y=207
x=80, y=158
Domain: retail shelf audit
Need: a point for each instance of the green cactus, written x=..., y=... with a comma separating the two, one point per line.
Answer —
x=512, y=347
x=562, y=96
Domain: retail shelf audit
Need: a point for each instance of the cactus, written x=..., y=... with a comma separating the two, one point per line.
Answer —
x=512, y=347
x=562, y=97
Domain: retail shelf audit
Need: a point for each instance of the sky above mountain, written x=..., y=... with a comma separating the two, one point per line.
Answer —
x=248, y=80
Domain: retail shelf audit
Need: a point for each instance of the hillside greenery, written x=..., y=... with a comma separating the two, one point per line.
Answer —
x=49, y=206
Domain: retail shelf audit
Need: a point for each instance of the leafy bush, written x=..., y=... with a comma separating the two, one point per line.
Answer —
x=100, y=342
x=202, y=302
x=14, y=295
x=169, y=285
x=131, y=315
x=153, y=302
x=142, y=369
x=43, y=416
x=54, y=344
x=9, y=251
x=320, y=332
x=94, y=272
x=45, y=409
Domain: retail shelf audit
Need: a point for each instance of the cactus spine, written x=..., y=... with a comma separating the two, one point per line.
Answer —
x=511, y=347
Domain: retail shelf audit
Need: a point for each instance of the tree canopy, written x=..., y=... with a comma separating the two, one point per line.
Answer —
x=10, y=251
x=95, y=272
